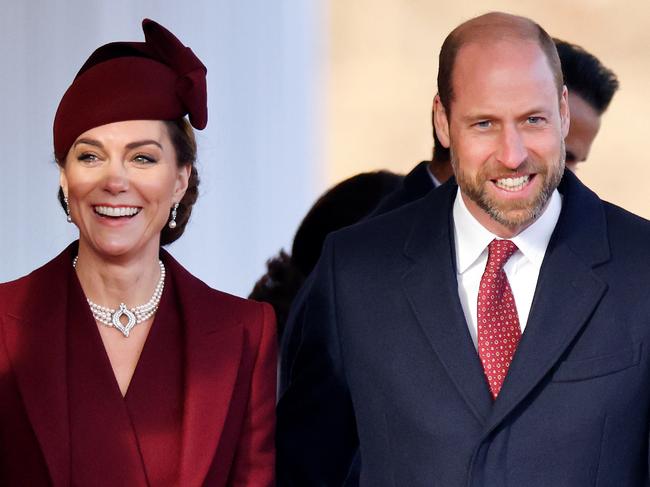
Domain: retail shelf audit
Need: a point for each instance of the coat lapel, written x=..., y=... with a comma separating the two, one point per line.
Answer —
x=35, y=337
x=561, y=307
x=431, y=288
x=213, y=349
x=567, y=293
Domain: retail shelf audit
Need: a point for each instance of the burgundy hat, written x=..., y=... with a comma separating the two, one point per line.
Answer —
x=159, y=79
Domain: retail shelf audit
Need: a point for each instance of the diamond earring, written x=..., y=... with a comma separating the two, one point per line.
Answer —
x=67, y=209
x=172, y=222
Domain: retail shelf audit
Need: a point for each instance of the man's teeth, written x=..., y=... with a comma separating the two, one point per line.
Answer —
x=115, y=212
x=512, y=184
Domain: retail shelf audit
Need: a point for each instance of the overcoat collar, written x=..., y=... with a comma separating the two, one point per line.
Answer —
x=567, y=292
x=214, y=343
x=418, y=182
x=34, y=331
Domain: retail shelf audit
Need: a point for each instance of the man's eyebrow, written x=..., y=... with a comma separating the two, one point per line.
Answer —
x=491, y=116
x=475, y=117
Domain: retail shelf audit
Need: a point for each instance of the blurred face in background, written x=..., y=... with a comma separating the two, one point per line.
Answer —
x=585, y=123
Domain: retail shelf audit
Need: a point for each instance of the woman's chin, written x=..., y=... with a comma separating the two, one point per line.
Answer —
x=118, y=247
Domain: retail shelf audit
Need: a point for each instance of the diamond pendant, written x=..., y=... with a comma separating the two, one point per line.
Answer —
x=123, y=311
x=110, y=317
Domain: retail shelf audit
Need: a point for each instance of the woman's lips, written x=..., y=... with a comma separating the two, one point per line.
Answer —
x=117, y=211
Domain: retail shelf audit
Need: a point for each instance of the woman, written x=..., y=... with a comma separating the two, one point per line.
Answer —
x=118, y=367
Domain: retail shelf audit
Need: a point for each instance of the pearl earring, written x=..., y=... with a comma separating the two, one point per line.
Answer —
x=172, y=222
x=67, y=209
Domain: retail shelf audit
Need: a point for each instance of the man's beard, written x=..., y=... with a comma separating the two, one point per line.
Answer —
x=513, y=214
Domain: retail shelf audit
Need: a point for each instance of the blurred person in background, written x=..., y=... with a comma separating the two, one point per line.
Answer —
x=591, y=89
x=344, y=204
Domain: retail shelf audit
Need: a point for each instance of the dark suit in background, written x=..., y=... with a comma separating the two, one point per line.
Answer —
x=415, y=185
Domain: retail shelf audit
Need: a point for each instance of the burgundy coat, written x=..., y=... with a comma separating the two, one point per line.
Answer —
x=229, y=375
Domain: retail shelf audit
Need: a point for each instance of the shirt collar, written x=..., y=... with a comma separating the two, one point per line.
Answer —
x=472, y=238
x=434, y=179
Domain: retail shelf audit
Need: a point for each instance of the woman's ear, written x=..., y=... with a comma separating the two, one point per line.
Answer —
x=182, y=181
x=63, y=181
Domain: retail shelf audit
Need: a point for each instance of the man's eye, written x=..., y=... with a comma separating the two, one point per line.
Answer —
x=483, y=124
x=535, y=120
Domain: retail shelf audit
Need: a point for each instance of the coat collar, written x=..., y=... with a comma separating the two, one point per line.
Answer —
x=34, y=331
x=568, y=290
x=560, y=309
x=35, y=338
x=431, y=288
x=214, y=343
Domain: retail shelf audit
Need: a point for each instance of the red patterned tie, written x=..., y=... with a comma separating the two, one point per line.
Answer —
x=498, y=322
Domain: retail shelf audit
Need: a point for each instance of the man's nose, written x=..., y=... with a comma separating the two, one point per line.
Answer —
x=512, y=150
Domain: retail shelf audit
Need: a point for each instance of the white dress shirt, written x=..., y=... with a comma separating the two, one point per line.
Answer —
x=522, y=269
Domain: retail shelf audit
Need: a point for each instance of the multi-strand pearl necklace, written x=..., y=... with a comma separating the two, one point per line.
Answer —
x=134, y=316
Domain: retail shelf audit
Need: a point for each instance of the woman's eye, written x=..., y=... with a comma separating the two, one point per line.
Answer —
x=87, y=157
x=143, y=159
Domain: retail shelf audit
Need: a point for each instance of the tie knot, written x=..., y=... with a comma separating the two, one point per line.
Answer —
x=499, y=251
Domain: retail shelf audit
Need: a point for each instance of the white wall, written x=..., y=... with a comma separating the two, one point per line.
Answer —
x=259, y=158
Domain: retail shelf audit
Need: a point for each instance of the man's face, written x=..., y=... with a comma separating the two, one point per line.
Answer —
x=585, y=123
x=505, y=132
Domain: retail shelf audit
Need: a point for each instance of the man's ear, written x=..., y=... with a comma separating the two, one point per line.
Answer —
x=565, y=114
x=440, y=121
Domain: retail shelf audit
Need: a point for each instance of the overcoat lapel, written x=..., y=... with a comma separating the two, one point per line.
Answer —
x=567, y=293
x=431, y=288
x=213, y=349
x=35, y=338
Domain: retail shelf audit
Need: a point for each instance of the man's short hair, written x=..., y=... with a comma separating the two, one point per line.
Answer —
x=492, y=26
x=585, y=75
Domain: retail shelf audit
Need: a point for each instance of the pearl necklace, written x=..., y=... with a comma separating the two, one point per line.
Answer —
x=134, y=316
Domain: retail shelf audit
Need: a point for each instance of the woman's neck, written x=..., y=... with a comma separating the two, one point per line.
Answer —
x=122, y=279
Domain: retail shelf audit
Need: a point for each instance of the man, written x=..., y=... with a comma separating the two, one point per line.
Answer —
x=492, y=333
x=591, y=89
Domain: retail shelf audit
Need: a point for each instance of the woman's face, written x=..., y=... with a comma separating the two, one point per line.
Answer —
x=121, y=180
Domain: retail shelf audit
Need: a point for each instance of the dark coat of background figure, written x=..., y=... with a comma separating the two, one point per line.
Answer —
x=344, y=204
x=416, y=185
